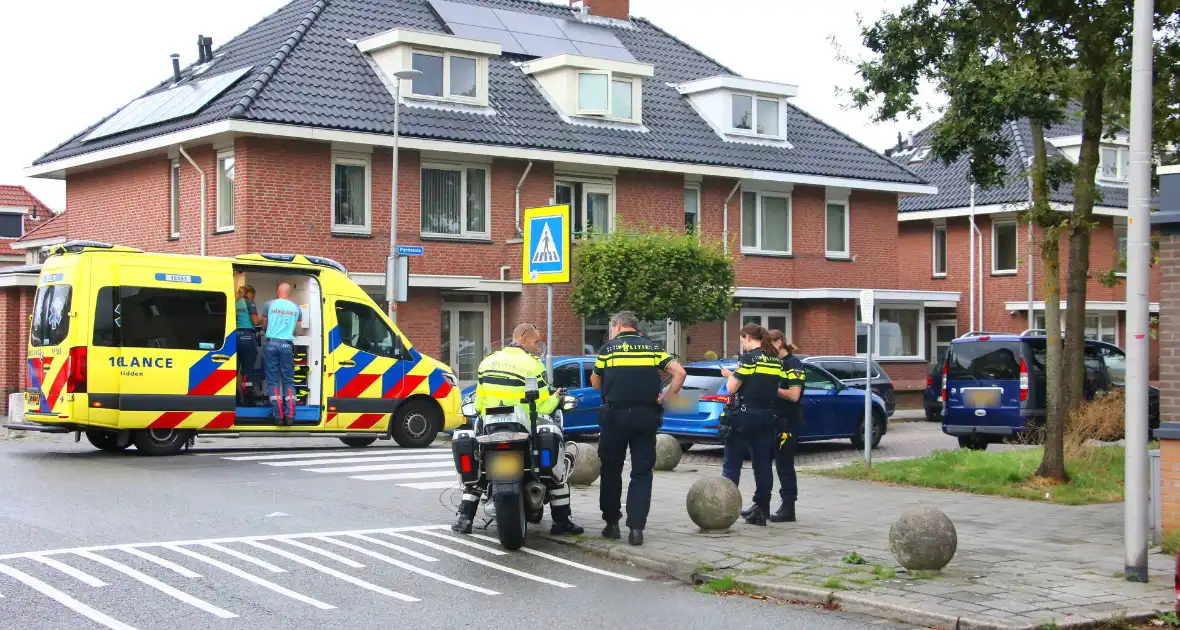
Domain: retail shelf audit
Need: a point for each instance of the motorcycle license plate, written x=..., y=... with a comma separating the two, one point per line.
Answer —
x=506, y=466
x=33, y=400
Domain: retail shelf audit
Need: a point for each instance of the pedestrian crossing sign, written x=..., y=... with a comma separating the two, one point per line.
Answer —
x=547, y=245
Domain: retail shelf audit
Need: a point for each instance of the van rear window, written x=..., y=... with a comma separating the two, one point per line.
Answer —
x=51, y=315
x=148, y=317
x=984, y=360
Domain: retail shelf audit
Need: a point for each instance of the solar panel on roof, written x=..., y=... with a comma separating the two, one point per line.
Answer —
x=529, y=33
x=167, y=105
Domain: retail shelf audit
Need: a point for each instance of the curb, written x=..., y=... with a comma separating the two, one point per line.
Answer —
x=845, y=600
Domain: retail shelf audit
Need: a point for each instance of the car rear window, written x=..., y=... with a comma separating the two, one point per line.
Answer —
x=984, y=360
x=702, y=381
x=51, y=315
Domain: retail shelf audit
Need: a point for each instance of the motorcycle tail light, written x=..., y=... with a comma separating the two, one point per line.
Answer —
x=464, y=463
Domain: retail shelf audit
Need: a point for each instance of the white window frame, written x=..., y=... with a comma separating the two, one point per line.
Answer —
x=939, y=227
x=461, y=168
x=1120, y=223
x=847, y=251
x=764, y=315
x=221, y=157
x=934, y=325
x=876, y=342
x=1039, y=321
x=481, y=70
x=697, y=189
x=451, y=310
x=757, y=247
x=21, y=212
x=753, y=131
x=608, y=113
x=174, y=198
x=1119, y=156
x=366, y=162
x=589, y=186
x=1015, y=248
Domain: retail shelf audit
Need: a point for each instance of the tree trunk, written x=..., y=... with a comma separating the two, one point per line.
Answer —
x=1053, y=463
x=1079, y=245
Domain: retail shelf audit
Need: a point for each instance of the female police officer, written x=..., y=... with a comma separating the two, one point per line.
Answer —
x=750, y=419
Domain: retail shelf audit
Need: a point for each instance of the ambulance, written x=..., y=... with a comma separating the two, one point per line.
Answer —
x=134, y=348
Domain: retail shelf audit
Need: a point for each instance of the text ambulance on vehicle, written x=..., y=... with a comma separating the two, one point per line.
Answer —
x=139, y=348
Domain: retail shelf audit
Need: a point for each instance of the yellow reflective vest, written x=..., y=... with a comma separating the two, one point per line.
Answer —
x=501, y=381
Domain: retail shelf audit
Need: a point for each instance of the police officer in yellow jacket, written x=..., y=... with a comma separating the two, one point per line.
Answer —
x=501, y=382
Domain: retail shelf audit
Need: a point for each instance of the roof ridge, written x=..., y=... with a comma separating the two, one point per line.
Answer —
x=858, y=143
x=263, y=78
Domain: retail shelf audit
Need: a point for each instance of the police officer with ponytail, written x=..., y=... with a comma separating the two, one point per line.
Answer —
x=790, y=419
x=750, y=423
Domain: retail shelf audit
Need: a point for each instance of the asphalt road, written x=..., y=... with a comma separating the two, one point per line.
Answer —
x=295, y=537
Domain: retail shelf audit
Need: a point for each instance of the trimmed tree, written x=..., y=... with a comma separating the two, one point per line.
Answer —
x=657, y=275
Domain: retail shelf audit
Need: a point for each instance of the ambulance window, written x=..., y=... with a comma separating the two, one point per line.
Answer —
x=148, y=317
x=363, y=329
x=51, y=315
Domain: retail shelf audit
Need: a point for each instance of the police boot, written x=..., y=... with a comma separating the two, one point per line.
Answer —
x=758, y=516
x=750, y=510
x=566, y=526
x=635, y=537
x=785, y=513
x=466, y=517
x=611, y=531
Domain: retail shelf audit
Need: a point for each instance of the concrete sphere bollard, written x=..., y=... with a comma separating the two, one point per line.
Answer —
x=923, y=539
x=668, y=452
x=587, y=466
x=713, y=503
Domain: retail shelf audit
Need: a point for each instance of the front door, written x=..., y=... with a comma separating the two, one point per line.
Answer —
x=366, y=370
x=465, y=330
x=942, y=333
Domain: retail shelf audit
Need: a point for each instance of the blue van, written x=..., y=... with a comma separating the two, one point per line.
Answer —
x=993, y=386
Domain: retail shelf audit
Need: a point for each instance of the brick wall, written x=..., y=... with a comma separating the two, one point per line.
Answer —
x=1169, y=328
x=16, y=304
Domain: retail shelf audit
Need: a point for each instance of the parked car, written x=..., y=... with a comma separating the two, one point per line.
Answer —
x=573, y=373
x=932, y=395
x=831, y=409
x=995, y=386
x=851, y=372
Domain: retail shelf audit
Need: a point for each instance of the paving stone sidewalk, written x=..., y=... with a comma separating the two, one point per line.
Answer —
x=1020, y=564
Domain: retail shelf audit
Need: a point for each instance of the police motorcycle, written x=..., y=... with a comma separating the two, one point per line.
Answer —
x=520, y=456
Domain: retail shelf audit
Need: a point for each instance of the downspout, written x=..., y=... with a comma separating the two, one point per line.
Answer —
x=980, y=235
x=503, y=276
x=725, y=244
x=971, y=231
x=204, y=225
x=520, y=232
x=1031, y=314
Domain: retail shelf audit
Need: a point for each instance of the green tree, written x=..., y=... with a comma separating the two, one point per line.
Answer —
x=657, y=275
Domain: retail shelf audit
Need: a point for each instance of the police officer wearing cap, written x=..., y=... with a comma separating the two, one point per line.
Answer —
x=628, y=373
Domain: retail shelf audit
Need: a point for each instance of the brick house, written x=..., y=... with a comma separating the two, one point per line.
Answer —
x=935, y=249
x=20, y=213
x=1167, y=220
x=286, y=135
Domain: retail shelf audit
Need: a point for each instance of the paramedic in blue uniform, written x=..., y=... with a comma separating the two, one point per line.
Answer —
x=282, y=315
x=248, y=321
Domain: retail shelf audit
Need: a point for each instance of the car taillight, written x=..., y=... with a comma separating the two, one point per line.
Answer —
x=944, y=371
x=464, y=463
x=1023, y=380
x=76, y=377
x=718, y=399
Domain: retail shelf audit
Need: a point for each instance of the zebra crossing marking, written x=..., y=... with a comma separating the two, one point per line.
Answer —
x=158, y=585
x=431, y=468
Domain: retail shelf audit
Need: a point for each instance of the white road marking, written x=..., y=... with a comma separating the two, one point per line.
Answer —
x=81, y=576
x=307, y=454
x=382, y=458
x=413, y=475
x=174, y=543
x=372, y=467
x=245, y=557
x=158, y=585
x=348, y=562
x=464, y=542
x=250, y=578
x=333, y=572
x=389, y=545
x=65, y=600
x=571, y=563
x=167, y=564
x=430, y=485
x=409, y=567
x=471, y=558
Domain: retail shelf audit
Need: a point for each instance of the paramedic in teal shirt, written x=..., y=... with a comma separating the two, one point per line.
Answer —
x=248, y=321
x=281, y=315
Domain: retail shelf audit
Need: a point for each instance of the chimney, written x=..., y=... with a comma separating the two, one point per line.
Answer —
x=175, y=68
x=201, y=49
x=900, y=144
x=617, y=9
x=208, y=48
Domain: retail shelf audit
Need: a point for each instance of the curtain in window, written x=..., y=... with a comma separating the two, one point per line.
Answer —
x=477, y=210
x=897, y=333
x=225, y=192
x=835, y=231
x=350, y=195
x=441, y=199
x=776, y=224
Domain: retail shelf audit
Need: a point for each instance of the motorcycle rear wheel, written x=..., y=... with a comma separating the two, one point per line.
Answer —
x=511, y=525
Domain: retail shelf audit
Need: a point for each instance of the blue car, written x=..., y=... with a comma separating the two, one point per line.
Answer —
x=831, y=409
x=573, y=373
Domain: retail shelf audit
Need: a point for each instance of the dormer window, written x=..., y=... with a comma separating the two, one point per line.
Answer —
x=454, y=69
x=739, y=108
x=1114, y=163
x=592, y=88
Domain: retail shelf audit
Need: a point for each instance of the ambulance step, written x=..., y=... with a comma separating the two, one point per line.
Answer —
x=43, y=428
x=283, y=433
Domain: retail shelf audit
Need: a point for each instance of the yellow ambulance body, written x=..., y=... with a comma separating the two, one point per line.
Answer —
x=138, y=348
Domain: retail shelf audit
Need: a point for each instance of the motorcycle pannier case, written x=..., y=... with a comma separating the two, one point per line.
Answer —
x=463, y=448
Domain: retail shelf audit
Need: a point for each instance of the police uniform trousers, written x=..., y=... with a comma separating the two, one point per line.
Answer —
x=754, y=431
x=784, y=462
x=623, y=429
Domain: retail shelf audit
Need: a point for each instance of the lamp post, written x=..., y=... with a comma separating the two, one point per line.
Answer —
x=390, y=267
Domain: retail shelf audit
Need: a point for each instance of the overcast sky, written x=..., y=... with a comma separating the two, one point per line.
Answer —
x=66, y=64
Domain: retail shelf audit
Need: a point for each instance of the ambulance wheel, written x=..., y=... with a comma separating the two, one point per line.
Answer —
x=107, y=441
x=416, y=424
x=160, y=441
x=358, y=442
